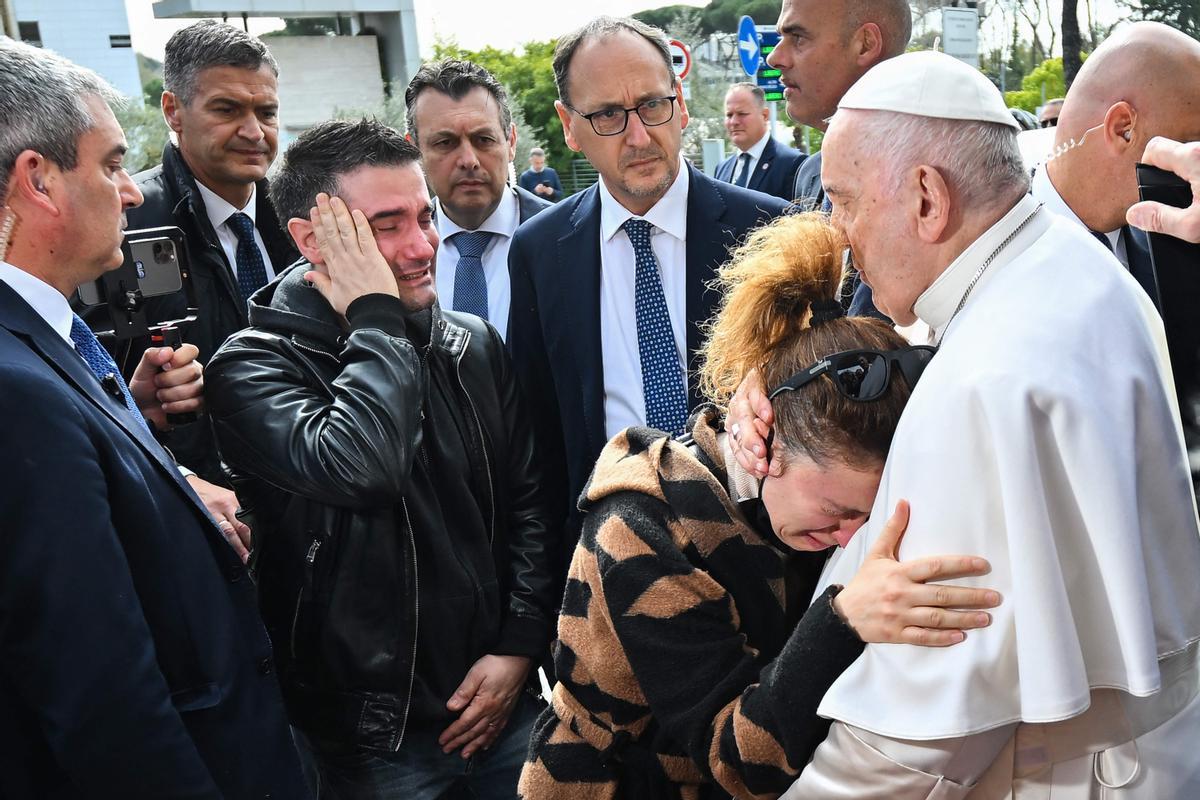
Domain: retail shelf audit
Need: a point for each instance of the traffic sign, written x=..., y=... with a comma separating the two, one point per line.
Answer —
x=681, y=59
x=748, y=46
x=767, y=77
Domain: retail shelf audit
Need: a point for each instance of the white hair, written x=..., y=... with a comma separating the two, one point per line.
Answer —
x=979, y=161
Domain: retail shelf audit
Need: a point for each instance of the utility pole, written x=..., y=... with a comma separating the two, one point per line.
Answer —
x=9, y=19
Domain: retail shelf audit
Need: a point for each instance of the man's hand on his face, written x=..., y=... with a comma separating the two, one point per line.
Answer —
x=354, y=266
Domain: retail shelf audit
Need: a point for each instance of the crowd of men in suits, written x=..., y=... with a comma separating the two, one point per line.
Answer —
x=412, y=366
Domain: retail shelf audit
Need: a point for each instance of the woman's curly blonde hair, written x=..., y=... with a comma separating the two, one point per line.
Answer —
x=764, y=322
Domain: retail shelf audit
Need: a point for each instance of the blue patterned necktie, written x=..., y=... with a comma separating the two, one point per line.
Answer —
x=251, y=271
x=663, y=383
x=101, y=364
x=470, y=285
x=743, y=177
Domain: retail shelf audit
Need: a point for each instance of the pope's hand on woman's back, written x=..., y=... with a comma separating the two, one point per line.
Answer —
x=893, y=601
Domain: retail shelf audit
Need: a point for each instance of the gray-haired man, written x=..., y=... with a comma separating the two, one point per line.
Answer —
x=221, y=103
x=134, y=663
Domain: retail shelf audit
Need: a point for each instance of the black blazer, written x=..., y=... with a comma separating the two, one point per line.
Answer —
x=775, y=172
x=133, y=663
x=554, y=327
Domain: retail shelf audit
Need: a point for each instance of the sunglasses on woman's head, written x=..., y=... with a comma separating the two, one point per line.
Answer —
x=862, y=375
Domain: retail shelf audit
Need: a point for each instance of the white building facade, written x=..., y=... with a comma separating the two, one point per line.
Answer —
x=94, y=34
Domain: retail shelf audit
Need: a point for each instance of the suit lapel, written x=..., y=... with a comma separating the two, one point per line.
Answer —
x=708, y=242
x=763, y=165
x=1137, y=251
x=577, y=308
x=24, y=323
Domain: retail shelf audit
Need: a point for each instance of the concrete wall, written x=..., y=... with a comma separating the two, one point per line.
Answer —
x=320, y=74
x=80, y=31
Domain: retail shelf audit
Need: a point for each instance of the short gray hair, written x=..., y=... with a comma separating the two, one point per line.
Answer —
x=43, y=105
x=980, y=161
x=537, y=151
x=601, y=28
x=209, y=43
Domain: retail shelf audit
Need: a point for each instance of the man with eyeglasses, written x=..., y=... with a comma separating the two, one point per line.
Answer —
x=609, y=286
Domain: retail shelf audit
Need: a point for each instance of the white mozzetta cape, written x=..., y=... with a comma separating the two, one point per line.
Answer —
x=1045, y=437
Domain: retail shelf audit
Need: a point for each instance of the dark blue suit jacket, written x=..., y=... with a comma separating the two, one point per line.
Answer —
x=554, y=327
x=133, y=663
x=775, y=172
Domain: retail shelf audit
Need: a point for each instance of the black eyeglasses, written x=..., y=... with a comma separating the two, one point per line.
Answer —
x=863, y=375
x=611, y=121
x=1049, y=123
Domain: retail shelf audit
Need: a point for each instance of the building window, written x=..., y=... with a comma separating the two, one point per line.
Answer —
x=118, y=40
x=30, y=33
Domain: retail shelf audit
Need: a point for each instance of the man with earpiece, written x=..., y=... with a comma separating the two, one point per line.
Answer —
x=1129, y=91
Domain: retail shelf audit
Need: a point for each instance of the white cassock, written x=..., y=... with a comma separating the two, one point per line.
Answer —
x=1045, y=437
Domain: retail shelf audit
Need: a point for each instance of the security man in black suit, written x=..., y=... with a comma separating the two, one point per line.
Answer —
x=758, y=162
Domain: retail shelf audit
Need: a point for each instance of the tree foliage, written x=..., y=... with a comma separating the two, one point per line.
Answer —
x=1045, y=82
x=719, y=16
x=1181, y=14
x=528, y=74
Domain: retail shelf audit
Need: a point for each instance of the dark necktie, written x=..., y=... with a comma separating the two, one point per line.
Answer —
x=743, y=177
x=1104, y=240
x=102, y=365
x=470, y=284
x=251, y=271
x=663, y=384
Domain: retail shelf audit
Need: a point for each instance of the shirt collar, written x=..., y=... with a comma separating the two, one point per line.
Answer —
x=1042, y=188
x=669, y=214
x=937, y=304
x=756, y=150
x=502, y=222
x=43, y=298
x=219, y=210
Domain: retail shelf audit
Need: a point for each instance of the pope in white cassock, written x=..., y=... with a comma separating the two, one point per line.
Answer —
x=1045, y=437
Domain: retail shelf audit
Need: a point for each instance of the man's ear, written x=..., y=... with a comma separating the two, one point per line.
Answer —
x=564, y=116
x=868, y=44
x=512, y=142
x=1119, y=126
x=933, y=206
x=171, y=107
x=33, y=183
x=683, y=112
x=305, y=239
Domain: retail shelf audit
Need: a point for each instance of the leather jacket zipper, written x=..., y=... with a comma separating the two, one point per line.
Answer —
x=309, y=557
x=482, y=442
x=412, y=674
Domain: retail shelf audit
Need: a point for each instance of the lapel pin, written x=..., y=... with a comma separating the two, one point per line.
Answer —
x=111, y=385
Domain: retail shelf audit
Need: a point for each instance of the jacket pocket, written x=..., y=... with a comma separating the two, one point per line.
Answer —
x=196, y=698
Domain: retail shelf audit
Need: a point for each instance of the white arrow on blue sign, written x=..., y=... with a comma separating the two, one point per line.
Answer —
x=749, y=47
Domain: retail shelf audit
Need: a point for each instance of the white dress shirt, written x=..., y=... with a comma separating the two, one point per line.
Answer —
x=44, y=299
x=503, y=223
x=219, y=211
x=1043, y=189
x=755, y=151
x=624, y=401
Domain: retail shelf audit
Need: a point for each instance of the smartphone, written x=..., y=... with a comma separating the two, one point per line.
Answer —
x=153, y=257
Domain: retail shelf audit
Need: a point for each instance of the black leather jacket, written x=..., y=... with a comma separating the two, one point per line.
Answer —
x=322, y=429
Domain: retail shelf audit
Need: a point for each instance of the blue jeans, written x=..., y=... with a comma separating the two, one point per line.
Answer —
x=421, y=771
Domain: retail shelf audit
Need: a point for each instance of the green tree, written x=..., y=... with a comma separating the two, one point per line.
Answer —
x=1045, y=82
x=529, y=76
x=145, y=131
x=152, y=92
x=1181, y=14
x=722, y=16
x=661, y=17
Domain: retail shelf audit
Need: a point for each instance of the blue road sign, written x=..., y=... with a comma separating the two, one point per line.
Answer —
x=767, y=76
x=748, y=46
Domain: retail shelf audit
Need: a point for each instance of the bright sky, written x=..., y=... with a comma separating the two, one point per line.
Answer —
x=472, y=23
